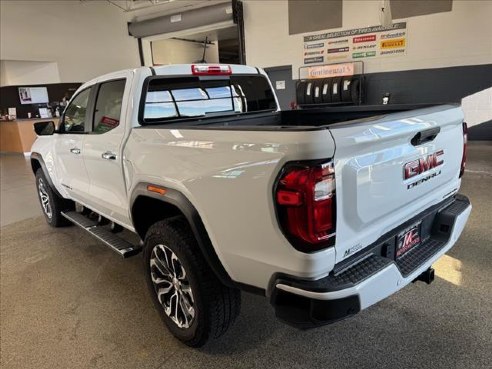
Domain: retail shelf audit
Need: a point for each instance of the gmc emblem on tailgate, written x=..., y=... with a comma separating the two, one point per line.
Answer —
x=422, y=165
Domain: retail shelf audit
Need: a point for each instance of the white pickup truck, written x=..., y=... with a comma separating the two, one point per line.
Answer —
x=323, y=211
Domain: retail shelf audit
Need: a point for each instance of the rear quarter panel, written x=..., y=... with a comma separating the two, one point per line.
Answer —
x=228, y=175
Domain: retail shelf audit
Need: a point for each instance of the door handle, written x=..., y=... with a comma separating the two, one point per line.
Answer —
x=108, y=155
x=75, y=151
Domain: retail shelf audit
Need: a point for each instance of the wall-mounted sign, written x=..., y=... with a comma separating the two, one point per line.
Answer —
x=314, y=46
x=280, y=85
x=356, y=44
x=175, y=18
x=313, y=60
x=315, y=52
x=325, y=71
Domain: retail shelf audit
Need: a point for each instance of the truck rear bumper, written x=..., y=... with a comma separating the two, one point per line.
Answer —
x=372, y=277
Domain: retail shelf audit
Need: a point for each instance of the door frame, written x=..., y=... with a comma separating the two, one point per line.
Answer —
x=125, y=125
x=280, y=68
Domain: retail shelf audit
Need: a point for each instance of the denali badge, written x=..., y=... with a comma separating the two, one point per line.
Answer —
x=352, y=250
x=422, y=165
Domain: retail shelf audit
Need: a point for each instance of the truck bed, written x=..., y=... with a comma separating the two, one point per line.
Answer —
x=303, y=119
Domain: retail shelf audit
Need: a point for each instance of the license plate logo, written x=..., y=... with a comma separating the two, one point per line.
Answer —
x=407, y=240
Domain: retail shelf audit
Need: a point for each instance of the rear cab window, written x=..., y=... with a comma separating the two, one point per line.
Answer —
x=171, y=99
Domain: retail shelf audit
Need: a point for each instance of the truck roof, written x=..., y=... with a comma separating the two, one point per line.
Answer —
x=186, y=68
x=176, y=69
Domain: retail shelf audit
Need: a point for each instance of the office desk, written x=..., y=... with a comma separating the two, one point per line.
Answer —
x=17, y=136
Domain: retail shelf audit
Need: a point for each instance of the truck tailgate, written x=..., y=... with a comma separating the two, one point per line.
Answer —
x=374, y=193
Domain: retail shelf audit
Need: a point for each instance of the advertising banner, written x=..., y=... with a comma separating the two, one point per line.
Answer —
x=355, y=44
x=335, y=70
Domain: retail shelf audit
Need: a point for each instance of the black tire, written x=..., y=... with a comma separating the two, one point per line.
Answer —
x=215, y=306
x=53, y=204
x=355, y=91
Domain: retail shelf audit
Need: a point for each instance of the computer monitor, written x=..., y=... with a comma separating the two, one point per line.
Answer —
x=33, y=95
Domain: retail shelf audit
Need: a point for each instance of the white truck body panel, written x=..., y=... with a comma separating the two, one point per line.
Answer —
x=387, y=281
x=107, y=186
x=233, y=172
x=372, y=195
x=229, y=177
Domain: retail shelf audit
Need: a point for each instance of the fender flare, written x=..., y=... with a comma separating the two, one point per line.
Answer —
x=37, y=157
x=181, y=202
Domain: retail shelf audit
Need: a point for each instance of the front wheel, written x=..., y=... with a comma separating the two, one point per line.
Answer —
x=51, y=204
x=192, y=302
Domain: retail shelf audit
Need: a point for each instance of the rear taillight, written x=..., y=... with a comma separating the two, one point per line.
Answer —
x=465, y=140
x=305, y=204
x=210, y=70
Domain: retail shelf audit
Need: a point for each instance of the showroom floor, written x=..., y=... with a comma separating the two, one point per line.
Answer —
x=69, y=302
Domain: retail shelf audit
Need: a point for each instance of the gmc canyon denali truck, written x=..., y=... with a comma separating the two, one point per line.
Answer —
x=324, y=212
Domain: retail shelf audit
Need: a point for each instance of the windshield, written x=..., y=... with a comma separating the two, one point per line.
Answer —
x=168, y=99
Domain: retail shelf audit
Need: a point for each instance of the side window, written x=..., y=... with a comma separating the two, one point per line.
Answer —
x=75, y=113
x=108, y=106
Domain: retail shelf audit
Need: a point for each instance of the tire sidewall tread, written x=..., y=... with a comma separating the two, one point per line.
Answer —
x=216, y=305
x=57, y=203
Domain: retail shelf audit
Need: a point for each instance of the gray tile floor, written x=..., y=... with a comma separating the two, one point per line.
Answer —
x=68, y=302
x=17, y=190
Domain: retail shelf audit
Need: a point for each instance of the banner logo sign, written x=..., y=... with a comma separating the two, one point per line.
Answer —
x=314, y=46
x=392, y=35
x=368, y=38
x=316, y=59
x=362, y=47
x=392, y=52
x=363, y=54
x=355, y=32
x=309, y=53
x=334, y=70
x=359, y=43
x=393, y=44
x=343, y=41
x=338, y=50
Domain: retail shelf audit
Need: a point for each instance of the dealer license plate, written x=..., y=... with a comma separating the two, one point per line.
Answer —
x=407, y=240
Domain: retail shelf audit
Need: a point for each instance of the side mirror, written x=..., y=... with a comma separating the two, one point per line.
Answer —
x=44, y=128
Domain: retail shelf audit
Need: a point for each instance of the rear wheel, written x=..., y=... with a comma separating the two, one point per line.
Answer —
x=51, y=204
x=192, y=302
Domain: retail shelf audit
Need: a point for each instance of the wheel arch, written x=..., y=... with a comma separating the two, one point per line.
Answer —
x=37, y=163
x=149, y=207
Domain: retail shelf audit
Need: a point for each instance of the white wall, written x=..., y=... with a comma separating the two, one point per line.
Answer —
x=3, y=74
x=16, y=72
x=478, y=107
x=177, y=51
x=85, y=39
x=460, y=37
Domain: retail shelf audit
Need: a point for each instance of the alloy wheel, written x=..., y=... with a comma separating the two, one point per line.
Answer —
x=172, y=286
x=45, y=198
